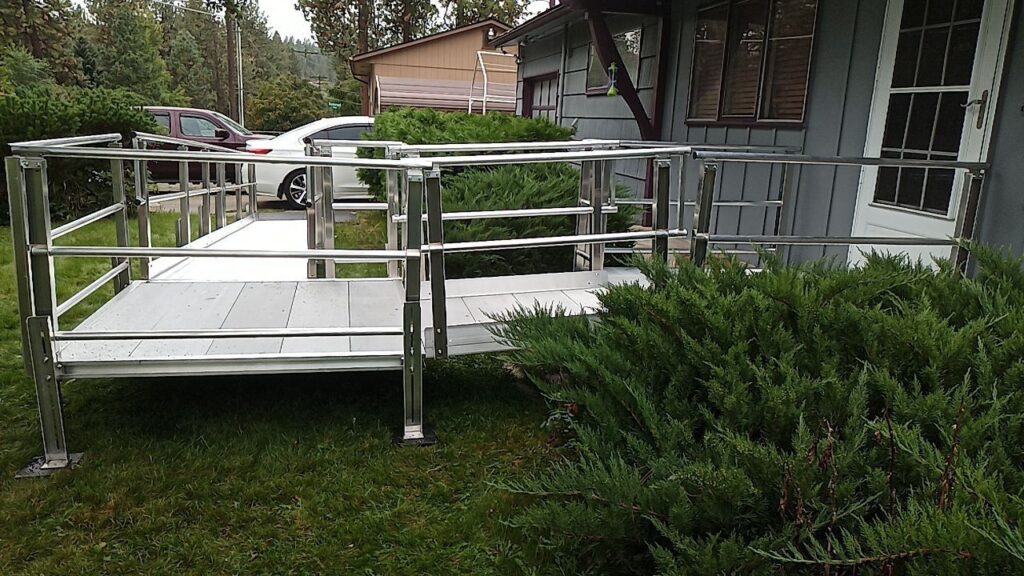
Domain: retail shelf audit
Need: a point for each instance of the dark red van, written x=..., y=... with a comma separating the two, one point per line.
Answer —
x=204, y=126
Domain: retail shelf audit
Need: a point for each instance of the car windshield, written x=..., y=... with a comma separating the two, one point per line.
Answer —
x=234, y=125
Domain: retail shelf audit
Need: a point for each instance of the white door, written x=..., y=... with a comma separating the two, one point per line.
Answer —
x=935, y=96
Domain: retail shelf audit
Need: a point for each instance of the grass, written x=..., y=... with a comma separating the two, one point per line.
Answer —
x=271, y=475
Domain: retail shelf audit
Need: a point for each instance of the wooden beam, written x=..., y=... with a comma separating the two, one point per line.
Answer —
x=607, y=53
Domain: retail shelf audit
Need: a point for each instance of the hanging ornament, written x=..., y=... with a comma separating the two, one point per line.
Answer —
x=613, y=78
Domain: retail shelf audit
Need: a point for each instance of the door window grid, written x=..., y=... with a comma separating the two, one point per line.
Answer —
x=928, y=124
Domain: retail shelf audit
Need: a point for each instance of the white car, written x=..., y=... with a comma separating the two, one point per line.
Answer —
x=288, y=181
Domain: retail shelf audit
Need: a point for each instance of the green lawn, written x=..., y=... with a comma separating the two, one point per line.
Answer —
x=274, y=475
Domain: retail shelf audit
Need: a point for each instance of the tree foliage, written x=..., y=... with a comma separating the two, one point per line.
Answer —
x=128, y=41
x=285, y=103
x=18, y=69
x=44, y=28
x=799, y=420
x=462, y=12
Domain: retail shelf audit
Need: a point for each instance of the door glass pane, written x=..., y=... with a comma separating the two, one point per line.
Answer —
x=960, y=61
x=936, y=48
x=198, y=127
x=746, y=51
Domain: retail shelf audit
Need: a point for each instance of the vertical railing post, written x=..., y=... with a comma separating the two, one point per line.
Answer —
x=184, y=205
x=254, y=200
x=435, y=239
x=585, y=222
x=967, y=218
x=142, y=201
x=699, y=240
x=785, y=195
x=120, y=219
x=604, y=172
x=16, y=196
x=222, y=200
x=662, y=191
x=33, y=216
x=312, y=220
x=327, y=205
x=239, y=190
x=204, y=209
x=412, y=365
x=394, y=209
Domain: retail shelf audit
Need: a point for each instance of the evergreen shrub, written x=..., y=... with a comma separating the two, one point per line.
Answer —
x=77, y=187
x=494, y=188
x=803, y=420
x=513, y=188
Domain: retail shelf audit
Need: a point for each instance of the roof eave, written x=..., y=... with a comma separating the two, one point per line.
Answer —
x=539, y=23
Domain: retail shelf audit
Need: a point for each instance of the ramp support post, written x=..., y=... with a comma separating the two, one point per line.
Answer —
x=221, y=206
x=394, y=209
x=184, y=205
x=413, y=432
x=435, y=238
x=662, y=191
x=204, y=209
x=141, y=168
x=120, y=219
x=327, y=204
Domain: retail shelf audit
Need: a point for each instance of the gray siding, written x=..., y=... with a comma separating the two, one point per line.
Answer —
x=595, y=116
x=842, y=80
x=1002, y=208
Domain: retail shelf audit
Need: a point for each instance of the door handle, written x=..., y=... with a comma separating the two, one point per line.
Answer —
x=982, y=104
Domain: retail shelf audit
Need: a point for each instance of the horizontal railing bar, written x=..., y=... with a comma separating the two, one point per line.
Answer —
x=161, y=139
x=232, y=158
x=158, y=198
x=520, y=213
x=729, y=203
x=85, y=221
x=833, y=161
x=828, y=240
x=91, y=288
x=356, y=143
x=223, y=333
x=551, y=157
x=360, y=206
x=72, y=141
x=551, y=241
x=134, y=252
x=507, y=146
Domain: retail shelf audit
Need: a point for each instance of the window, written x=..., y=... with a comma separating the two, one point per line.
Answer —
x=354, y=132
x=235, y=125
x=540, y=97
x=628, y=44
x=751, y=60
x=197, y=127
x=163, y=121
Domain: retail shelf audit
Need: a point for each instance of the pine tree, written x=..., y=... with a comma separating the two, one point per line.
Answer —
x=128, y=41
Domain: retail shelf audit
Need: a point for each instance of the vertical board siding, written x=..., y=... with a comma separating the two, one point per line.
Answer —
x=1002, y=206
x=841, y=86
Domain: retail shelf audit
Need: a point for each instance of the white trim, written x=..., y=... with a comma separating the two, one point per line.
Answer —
x=974, y=143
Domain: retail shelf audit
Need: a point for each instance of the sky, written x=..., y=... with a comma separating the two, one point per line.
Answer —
x=282, y=16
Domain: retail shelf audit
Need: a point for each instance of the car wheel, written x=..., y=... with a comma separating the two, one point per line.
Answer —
x=293, y=189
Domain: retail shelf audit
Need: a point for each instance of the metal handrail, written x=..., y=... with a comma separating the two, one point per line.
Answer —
x=755, y=158
x=553, y=157
x=84, y=221
x=157, y=199
x=132, y=252
x=506, y=146
x=827, y=240
x=552, y=241
x=91, y=288
x=64, y=142
x=92, y=336
x=161, y=139
x=220, y=157
x=518, y=213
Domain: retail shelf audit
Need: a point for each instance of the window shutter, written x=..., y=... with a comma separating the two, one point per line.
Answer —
x=788, y=59
x=746, y=55
x=708, y=57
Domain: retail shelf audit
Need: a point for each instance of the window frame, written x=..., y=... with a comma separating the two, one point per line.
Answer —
x=181, y=126
x=592, y=57
x=755, y=121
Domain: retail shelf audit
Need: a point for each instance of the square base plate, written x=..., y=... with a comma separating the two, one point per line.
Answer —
x=35, y=468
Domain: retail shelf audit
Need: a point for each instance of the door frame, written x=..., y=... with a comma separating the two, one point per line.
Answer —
x=528, y=88
x=988, y=50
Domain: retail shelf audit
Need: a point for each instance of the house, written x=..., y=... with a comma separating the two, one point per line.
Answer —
x=914, y=79
x=451, y=70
